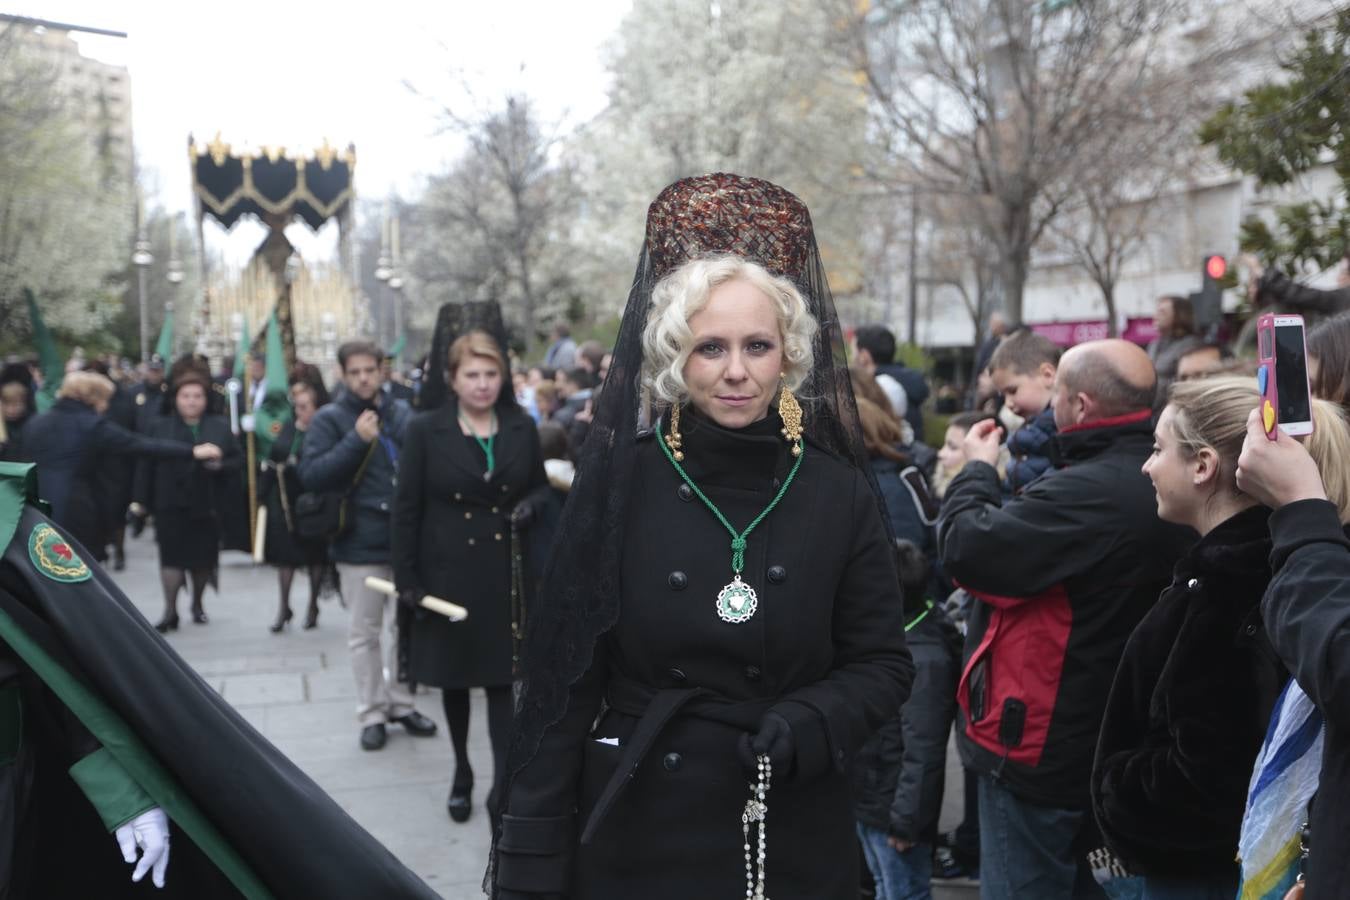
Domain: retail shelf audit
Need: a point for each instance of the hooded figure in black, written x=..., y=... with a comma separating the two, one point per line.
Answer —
x=18, y=404
x=103, y=725
x=668, y=665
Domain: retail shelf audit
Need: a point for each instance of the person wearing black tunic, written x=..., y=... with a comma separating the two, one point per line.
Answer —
x=279, y=488
x=472, y=474
x=185, y=496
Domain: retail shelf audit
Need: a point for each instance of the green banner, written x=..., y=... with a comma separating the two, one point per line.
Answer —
x=275, y=410
x=164, y=347
x=49, y=358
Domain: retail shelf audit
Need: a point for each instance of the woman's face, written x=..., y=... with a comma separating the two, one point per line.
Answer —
x=1162, y=317
x=13, y=401
x=952, y=454
x=732, y=373
x=190, y=401
x=1173, y=474
x=303, y=401
x=477, y=383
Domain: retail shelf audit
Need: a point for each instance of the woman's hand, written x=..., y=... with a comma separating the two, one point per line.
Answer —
x=206, y=452
x=773, y=740
x=1279, y=472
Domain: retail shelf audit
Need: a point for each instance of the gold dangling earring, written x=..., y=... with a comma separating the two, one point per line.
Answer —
x=791, y=412
x=674, y=440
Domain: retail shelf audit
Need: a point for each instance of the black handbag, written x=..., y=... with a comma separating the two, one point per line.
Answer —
x=322, y=515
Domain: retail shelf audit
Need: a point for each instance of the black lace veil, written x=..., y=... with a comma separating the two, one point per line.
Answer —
x=579, y=597
x=452, y=321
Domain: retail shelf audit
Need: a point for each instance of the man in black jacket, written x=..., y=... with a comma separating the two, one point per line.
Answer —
x=1064, y=572
x=1306, y=609
x=352, y=448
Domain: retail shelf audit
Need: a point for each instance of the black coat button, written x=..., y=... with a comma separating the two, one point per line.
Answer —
x=1193, y=586
x=752, y=673
x=686, y=493
x=676, y=676
x=777, y=574
x=672, y=762
x=678, y=581
x=1251, y=630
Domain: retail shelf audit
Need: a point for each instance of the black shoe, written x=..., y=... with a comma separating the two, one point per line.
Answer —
x=281, y=622
x=416, y=724
x=119, y=561
x=373, y=737
x=312, y=618
x=199, y=617
x=460, y=803
x=167, y=624
x=947, y=864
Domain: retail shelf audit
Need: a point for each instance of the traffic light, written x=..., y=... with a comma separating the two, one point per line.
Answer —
x=1208, y=301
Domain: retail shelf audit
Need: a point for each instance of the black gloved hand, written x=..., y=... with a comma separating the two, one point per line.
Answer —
x=410, y=597
x=522, y=517
x=774, y=740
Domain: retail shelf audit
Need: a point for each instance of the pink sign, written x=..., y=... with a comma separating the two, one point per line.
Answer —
x=1140, y=330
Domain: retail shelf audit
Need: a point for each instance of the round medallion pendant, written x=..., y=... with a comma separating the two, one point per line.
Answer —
x=736, y=602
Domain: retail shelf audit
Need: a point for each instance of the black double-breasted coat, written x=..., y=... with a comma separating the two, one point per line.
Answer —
x=647, y=802
x=452, y=539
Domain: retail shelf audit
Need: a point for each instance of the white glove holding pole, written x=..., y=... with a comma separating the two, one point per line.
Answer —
x=150, y=832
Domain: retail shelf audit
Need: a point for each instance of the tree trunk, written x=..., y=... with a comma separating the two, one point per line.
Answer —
x=1109, y=298
x=1012, y=277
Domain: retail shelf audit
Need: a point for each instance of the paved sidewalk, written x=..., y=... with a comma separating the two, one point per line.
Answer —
x=296, y=688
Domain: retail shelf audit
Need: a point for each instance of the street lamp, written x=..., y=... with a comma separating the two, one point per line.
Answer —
x=141, y=258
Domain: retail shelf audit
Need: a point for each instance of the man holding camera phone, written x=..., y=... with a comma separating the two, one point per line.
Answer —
x=352, y=448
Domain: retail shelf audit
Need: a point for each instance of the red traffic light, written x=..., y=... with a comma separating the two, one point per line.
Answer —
x=1216, y=267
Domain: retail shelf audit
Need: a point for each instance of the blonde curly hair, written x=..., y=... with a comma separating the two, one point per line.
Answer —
x=667, y=339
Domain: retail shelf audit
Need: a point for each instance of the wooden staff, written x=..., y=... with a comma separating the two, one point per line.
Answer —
x=452, y=611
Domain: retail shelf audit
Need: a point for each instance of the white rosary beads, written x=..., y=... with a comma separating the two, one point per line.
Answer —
x=757, y=811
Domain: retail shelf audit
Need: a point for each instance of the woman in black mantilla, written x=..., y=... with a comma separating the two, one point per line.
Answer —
x=471, y=475
x=723, y=594
x=186, y=496
x=279, y=488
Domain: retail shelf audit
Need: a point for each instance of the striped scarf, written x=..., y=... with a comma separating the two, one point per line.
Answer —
x=1283, y=783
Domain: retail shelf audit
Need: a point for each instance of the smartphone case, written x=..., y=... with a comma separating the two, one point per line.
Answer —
x=1265, y=373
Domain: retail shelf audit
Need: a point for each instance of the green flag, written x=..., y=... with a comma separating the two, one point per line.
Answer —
x=397, y=350
x=164, y=348
x=49, y=358
x=241, y=353
x=275, y=410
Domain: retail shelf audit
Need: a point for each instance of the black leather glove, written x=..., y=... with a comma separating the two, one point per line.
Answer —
x=411, y=598
x=774, y=740
x=522, y=517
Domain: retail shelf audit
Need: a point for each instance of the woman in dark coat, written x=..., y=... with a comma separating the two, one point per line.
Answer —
x=470, y=472
x=278, y=488
x=18, y=404
x=710, y=687
x=1195, y=687
x=185, y=496
x=69, y=441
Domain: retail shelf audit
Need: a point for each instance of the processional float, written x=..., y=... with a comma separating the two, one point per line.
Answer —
x=313, y=303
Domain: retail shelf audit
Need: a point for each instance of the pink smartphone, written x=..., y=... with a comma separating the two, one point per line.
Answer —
x=1282, y=377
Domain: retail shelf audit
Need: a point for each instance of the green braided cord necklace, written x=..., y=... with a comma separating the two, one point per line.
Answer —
x=486, y=445
x=736, y=602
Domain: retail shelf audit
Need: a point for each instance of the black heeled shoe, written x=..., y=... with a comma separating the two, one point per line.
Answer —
x=312, y=618
x=460, y=802
x=167, y=624
x=199, y=617
x=281, y=622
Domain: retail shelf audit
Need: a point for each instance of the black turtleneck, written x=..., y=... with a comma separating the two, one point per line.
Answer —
x=756, y=457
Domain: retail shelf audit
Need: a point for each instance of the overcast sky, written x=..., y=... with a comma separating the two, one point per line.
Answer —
x=293, y=73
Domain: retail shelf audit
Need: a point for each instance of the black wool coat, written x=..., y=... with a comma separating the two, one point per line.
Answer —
x=452, y=539
x=675, y=687
x=1189, y=708
x=186, y=496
